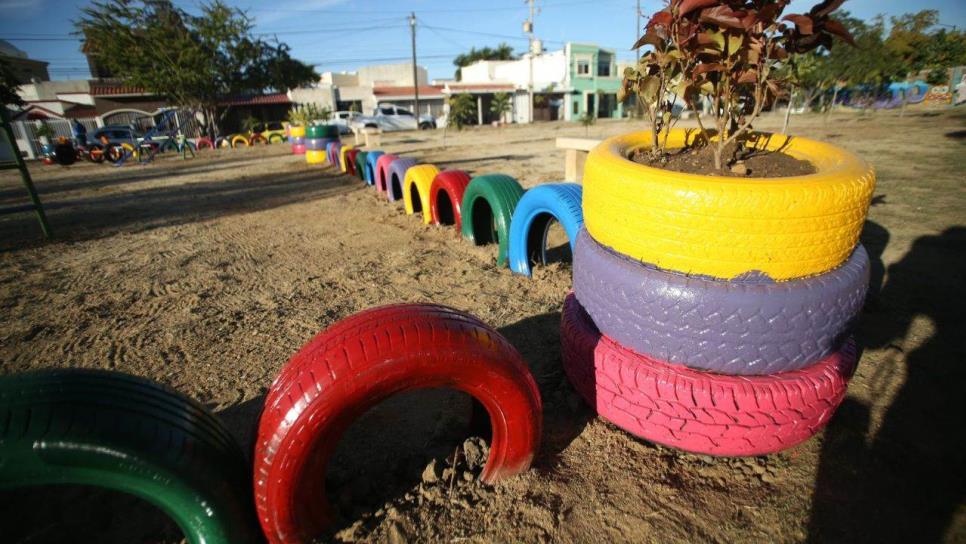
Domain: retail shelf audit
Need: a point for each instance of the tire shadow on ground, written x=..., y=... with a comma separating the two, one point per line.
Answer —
x=902, y=477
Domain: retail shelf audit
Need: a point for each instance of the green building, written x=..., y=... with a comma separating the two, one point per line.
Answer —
x=592, y=82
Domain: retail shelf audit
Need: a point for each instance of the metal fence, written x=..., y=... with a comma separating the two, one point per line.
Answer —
x=30, y=144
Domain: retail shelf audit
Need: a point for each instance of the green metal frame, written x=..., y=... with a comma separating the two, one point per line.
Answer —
x=25, y=175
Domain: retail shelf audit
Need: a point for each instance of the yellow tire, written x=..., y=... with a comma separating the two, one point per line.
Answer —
x=130, y=149
x=420, y=178
x=296, y=131
x=314, y=157
x=725, y=227
x=342, y=159
x=240, y=140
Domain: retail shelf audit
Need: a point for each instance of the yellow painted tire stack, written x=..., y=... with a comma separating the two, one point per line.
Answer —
x=313, y=156
x=735, y=278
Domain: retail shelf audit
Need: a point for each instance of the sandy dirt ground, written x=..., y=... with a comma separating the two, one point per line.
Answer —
x=208, y=274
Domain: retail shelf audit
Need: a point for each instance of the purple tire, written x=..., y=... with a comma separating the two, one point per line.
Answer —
x=737, y=327
x=396, y=177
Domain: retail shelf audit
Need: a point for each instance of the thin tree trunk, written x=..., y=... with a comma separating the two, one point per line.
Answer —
x=835, y=95
x=788, y=111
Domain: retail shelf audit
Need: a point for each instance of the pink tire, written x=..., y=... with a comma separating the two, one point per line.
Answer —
x=700, y=412
x=382, y=171
x=298, y=149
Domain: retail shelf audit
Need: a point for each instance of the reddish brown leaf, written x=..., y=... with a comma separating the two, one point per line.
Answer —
x=721, y=16
x=824, y=8
x=749, y=76
x=661, y=18
x=708, y=67
x=770, y=11
x=837, y=28
x=802, y=22
x=649, y=38
x=687, y=6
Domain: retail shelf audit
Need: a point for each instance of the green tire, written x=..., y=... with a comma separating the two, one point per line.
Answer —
x=111, y=430
x=487, y=208
x=361, y=164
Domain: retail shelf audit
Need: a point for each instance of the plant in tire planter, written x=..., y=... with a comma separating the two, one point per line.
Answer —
x=724, y=53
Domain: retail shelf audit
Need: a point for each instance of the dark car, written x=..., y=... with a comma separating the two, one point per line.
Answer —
x=116, y=134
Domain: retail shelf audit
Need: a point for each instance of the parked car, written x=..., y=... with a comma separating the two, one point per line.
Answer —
x=389, y=118
x=273, y=131
x=343, y=120
x=116, y=134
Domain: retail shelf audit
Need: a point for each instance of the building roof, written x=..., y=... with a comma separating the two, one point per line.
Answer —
x=116, y=90
x=481, y=87
x=407, y=91
x=277, y=98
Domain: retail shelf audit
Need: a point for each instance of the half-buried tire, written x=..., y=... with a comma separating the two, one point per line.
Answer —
x=356, y=364
x=397, y=175
x=446, y=197
x=730, y=327
x=350, y=161
x=111, y=430
x=416, y=190
x=372, y=159
x=535, y=213
x=361, y=165
x=700, y=412
x=382, y=171
x=487, y=208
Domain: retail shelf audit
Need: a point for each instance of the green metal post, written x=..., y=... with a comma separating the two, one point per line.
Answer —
x=25, y=174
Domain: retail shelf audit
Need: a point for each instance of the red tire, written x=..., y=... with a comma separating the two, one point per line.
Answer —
x=204, y=143
x=700, y=412
x=359, y=362
x=257, y=139
x=350, y=161
x=445, y=196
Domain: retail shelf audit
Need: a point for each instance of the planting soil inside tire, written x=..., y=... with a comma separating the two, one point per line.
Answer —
x=746, y=163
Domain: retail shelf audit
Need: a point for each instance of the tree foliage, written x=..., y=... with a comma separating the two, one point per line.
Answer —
x=726, y=53
x=193, y=61
x=501, y=105
x=8, y=86
x=462, y=111
x=501, y=52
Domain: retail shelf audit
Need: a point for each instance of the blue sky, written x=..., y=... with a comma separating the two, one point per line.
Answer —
x=344, y=34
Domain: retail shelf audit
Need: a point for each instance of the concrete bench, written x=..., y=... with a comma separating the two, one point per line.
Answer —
x=577, y=149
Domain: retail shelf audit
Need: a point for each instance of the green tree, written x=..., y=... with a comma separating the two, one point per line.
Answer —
x=501, y=52
x=501, y=105
x=8, y=86
x=462, y=111
x=193, y=61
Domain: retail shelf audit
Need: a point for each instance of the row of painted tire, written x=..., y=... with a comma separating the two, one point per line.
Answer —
x=725, y=341
x=486, y=209
x=107, y=429
x=677, y=330
x=312, y=140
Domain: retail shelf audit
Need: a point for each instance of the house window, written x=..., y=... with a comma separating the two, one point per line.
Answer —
x=583, y=68
x=603, y=68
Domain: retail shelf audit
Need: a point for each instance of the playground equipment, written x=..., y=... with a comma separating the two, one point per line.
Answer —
x=106, y=429
x=532, y=218
x=156, y=140
x=382, y=170
x=446, y=197
x=397, y=174
x=356, y=364
x=487, y=209
x=8, y=148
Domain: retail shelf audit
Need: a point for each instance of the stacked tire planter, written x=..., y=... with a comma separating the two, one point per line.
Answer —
x=317, y=141
x=297, y=137
x=712, y=314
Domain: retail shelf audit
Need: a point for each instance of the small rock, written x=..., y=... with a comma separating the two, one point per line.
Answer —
x=768, y=478
x=447, y=474
x=468, y=476
x=431, y=473
x=379, y=513
x=392, y=512
x=473, y=452
x=395, y=534
x=740, y=169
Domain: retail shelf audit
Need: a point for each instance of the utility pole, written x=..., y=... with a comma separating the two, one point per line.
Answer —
x=412, y=28
x=528, y=28
x=638, y=50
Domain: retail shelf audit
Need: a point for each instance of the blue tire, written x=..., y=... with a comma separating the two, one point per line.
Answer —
x=371, y=159
x=532, y=218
